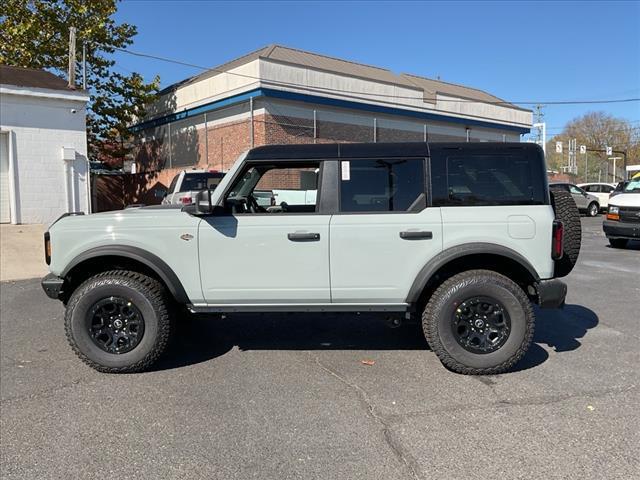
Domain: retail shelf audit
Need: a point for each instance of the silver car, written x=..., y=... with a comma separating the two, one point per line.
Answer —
x=586, y=202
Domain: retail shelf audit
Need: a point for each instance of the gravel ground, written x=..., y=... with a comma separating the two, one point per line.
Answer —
x=287, y=396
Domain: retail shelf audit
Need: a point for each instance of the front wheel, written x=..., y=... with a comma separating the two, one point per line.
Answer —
x=593, y=209
x=118, y=321
x=478, y=323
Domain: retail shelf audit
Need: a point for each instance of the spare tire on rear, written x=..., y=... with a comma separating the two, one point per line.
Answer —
x=566, y=210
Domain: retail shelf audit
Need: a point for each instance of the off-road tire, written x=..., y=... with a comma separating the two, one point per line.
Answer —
x=593, y=209
x=150, y=298
x=438, y=317
x=565, y=209
x=618, y=242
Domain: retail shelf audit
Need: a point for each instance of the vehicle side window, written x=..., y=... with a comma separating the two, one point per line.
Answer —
x=382, y=185
x=276, y=188
x=199, y=181
x=488, y=179
x=607, y=188
x=590, y=188
x=173, y=183
x=576, y=190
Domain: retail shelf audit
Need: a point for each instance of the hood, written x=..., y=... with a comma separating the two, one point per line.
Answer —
x=116, y=215
x=625, y=200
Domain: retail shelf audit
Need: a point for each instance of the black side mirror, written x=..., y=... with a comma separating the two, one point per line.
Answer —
x=203, y=203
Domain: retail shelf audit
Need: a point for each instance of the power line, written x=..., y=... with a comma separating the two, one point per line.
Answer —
x=328, y=89
x=628, y=121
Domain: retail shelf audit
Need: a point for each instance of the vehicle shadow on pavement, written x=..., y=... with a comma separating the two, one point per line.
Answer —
x=559, y=329
x=632, y=245
x=201, y=338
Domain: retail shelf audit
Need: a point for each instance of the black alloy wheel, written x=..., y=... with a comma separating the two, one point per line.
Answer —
x=115, y=325
x=481, y=325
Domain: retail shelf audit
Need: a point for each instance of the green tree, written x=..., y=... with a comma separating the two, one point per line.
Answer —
x=35, y=34
x=596, y=130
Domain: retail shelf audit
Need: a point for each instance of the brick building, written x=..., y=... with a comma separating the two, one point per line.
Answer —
x=279, y=95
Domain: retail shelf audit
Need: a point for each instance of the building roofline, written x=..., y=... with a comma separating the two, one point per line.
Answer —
x=328, y=101
x=19, y=90
x=27, y=77
x=398, y=79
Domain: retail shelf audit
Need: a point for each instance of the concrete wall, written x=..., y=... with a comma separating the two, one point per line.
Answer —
x=39, y=123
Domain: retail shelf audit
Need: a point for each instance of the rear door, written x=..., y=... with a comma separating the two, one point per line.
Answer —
x=383, y=232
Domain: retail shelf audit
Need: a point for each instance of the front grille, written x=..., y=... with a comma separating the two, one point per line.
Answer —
x=630, y=214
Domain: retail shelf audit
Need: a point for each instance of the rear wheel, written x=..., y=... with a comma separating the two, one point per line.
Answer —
x=118, y=321
x=565, y=209
x=478, y=322
x=593, y=209
x=618, y=242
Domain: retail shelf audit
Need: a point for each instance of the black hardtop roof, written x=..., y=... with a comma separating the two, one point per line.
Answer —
x=373, y=150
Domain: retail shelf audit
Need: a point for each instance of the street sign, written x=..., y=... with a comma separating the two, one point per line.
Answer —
x=609, y=150
x=583, y=149
x=558, y=147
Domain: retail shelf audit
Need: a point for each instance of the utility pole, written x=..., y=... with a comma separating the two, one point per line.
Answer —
x=84, y=65
x=541, y=137
x=615, y=176
x=542, y=141
x=72, y=57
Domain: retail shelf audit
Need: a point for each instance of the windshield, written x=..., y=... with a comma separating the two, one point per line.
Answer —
x=633, y=186
x=200, y=181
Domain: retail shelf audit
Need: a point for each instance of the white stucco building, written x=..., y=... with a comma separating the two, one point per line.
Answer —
x=43, y=147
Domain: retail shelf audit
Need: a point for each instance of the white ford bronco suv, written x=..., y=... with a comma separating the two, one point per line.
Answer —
x=464, y=236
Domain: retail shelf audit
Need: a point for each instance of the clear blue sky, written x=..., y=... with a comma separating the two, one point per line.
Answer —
x=519, y=51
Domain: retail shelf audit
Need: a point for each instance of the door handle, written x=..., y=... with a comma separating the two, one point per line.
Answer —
x=303, y=237
x=416, y=235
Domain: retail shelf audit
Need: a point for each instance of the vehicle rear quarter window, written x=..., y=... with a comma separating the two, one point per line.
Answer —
x=485, y=179
x=382, y=185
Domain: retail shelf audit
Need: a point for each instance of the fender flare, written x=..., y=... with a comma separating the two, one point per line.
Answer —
x=459, y=251
x=155, y=263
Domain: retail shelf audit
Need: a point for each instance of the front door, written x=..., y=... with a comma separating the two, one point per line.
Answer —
x=267, y=254
x=383, y=233
x=582, y=201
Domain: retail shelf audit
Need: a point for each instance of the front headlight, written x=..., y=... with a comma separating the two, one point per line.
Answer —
x=613, y=213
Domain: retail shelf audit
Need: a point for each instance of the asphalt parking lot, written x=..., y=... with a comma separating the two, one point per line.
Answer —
x=287, y=396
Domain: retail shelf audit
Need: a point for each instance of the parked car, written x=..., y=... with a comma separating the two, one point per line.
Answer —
x=186, y=184
x=586, y=202
x=409, y=229
x=601, y=191
x=623, y=217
